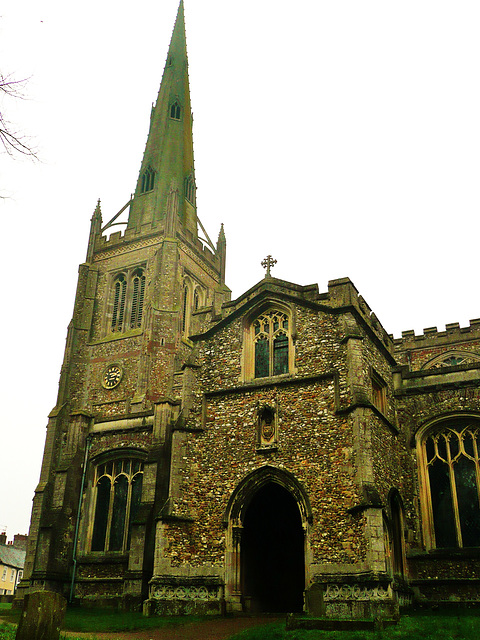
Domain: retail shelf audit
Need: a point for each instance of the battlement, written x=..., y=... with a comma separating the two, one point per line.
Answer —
x=126, y=236
x=452, y=330
x=342, y=292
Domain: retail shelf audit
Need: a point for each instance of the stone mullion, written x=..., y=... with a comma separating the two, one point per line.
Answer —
x=127, y=511
x=453, y=489
x=110, y=513
x=426, y=493
x=477, y=466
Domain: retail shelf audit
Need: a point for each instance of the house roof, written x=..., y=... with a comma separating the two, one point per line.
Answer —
x=12, y=556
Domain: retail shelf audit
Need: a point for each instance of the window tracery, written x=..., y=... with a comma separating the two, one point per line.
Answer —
x=117, y=495
x=271, y=338
x=175, y=111
x=148, y=180
x=451, y=468
x=452, y=359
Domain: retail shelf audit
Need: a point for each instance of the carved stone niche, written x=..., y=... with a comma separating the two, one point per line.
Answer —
x=267, y=427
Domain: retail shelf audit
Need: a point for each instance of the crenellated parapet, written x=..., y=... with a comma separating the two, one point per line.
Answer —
x=343, y=293
x=133, y=238
x=431, y=335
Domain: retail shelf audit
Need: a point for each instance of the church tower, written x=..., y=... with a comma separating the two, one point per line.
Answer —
x=105, y=472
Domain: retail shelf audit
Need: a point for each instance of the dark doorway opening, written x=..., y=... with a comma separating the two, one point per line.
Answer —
x=273, y=563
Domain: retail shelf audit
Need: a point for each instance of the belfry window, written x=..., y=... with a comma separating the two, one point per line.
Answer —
x=117, y=495
x=137, y=299
x=271, y=344
x=127, y=300
x=175, y=111
x=452, y=478
x=119, y=295
x=148, y=180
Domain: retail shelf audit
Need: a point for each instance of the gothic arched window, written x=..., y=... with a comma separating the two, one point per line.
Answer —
x=117, y=495
x=175, y=111
x=190, y=188
x=126, y=301
x=452, y=359
x=119, y=295
x=185, y=310
x=451, y=456
x=393, y=536
x=138, y=293
x=148, y=180
x=271, y=337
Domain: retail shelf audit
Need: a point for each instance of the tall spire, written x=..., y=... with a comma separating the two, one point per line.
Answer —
x=167, y=170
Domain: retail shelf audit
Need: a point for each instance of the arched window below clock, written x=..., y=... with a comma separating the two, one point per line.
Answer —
x=117, y=492
x=450, y=472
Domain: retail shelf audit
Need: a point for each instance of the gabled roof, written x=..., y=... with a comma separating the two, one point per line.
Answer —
x=268, y=289
x=12, y=556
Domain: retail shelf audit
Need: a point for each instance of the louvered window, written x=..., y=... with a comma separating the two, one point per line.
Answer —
x=137, y=299
x=127, y=301
x=120, y=291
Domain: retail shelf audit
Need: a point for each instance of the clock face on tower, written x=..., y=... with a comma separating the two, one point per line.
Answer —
x=111, y=376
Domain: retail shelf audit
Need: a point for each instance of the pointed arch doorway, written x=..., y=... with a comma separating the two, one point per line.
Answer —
x=272, y=551
x=267, y=520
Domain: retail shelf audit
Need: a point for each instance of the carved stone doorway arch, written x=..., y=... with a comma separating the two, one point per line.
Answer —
x=266, y=520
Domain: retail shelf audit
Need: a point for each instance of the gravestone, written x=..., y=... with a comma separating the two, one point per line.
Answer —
x=314, y=600
x=42, y=616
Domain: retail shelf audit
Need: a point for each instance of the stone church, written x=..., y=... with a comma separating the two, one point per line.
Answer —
x=280, y=452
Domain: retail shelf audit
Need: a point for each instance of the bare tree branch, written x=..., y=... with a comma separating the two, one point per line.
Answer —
x=13, y=142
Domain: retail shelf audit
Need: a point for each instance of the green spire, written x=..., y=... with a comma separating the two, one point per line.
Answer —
x=165, y=192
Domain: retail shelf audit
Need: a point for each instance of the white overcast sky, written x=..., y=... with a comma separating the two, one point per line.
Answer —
x=340, y=136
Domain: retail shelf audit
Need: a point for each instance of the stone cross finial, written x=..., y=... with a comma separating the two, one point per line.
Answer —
x=268, y=263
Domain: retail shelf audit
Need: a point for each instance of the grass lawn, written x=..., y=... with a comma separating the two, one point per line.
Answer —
x=442, y=625
x=95, y=621
x=439, y=625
